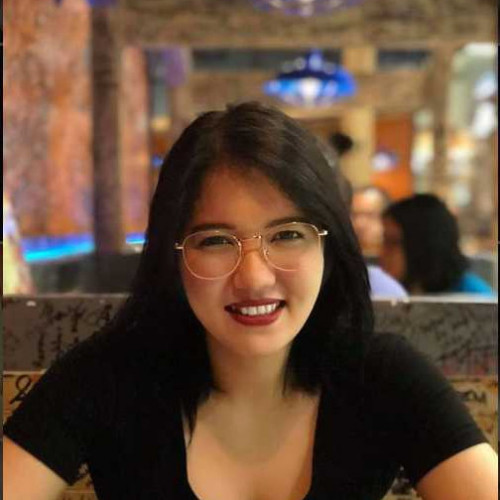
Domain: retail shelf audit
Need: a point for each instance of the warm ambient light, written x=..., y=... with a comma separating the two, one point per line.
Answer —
x=304, y=7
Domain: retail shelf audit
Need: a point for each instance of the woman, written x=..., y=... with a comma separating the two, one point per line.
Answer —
x=421, y=248
x=243, y=364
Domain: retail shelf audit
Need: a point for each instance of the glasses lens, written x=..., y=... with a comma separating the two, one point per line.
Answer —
x=211, y=254
x=289, y=244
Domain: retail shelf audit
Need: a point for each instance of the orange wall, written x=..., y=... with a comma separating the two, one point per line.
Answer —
x=394, y=133
x=47, y=121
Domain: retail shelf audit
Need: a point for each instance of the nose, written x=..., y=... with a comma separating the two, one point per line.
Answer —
x=254, y=271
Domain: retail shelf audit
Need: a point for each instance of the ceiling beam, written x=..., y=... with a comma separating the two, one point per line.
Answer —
x=386, y=91
x=237, y=24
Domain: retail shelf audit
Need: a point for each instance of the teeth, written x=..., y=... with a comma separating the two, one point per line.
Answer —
x=258, y=311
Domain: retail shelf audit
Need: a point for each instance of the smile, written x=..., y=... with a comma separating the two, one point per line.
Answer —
x=258, y=314
x=256, y=311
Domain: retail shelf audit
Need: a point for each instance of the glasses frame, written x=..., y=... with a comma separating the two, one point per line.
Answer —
x=239, y=241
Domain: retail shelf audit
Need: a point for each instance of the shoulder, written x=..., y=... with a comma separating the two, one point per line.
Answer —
x=59, y=415
x=385, y=348
x=472, y=283
x=384, y=285
x=399, y=372
x=76, y=379
x=86, y=360
x=393, y=360
x=407, y=393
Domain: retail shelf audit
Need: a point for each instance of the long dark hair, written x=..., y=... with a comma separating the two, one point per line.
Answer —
x=246, y=137
x=434, y=261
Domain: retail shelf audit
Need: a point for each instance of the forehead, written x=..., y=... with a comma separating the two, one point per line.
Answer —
x=367, y=200
x=233, y=197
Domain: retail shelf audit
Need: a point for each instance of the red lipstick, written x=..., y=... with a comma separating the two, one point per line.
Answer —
x=248, y=313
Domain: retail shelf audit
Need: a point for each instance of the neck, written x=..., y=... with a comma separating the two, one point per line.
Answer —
x=416, y=289
x=252, y=380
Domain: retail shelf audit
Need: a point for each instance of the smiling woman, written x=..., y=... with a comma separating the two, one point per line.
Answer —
x=243, y=363
x=281, y=267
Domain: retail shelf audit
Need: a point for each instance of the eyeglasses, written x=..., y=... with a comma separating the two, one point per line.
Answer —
x=215, y=254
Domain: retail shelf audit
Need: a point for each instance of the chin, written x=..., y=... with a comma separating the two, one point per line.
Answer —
x=255, y=342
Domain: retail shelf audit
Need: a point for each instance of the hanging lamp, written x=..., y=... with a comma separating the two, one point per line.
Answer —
x=311, y=81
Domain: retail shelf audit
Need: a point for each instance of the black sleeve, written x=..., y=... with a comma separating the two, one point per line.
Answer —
x=428, y=419
x=57, y=419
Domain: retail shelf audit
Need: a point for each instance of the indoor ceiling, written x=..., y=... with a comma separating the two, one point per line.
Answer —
x=236, y=23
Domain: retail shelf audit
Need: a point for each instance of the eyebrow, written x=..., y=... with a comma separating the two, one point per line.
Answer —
x=222, y=225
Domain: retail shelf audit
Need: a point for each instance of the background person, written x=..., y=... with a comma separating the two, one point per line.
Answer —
x=382, y=284
x=421, y=248
x=368, y=204
x=243, y=364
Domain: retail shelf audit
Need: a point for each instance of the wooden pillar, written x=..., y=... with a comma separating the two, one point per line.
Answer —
x=438, y=91
x=494, y=219
x=359, y=121
x=178, y=68
x=108, y=224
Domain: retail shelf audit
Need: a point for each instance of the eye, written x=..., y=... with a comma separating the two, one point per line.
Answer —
x=287, y=235
x=218, y=240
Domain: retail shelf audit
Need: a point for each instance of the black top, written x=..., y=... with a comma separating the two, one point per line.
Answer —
x=103, y=404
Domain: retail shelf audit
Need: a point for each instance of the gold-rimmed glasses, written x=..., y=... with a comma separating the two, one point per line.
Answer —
x=216, y=253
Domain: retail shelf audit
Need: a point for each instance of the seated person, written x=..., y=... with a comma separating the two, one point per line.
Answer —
x=382, y=284
x=421, y=249
x=368, y=203
x=244, y=364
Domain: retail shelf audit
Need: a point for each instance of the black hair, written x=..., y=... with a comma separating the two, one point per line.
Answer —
x=342, y=143
x=430, y=232
x=332, y=157
x=250, y=137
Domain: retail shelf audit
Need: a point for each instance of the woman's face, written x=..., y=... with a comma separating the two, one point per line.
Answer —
x=392, y=256
x=244, y=206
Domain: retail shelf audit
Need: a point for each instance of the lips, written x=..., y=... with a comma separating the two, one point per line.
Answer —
x=256, y=312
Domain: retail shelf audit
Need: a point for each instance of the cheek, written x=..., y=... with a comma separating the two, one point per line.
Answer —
x=198, y=292
x=205, y=300
x=306, y=282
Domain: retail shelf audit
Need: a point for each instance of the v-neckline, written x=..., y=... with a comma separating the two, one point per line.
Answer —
x=316, y=445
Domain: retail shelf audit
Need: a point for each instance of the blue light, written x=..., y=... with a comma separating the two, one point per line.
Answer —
x=95, y=3
x=57, y=253
x=50, y=248
x=56, y=247
x=135, y=239
x=311, y=81
x=157, y=161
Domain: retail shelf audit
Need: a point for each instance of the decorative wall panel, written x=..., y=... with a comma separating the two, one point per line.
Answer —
x=460, y=337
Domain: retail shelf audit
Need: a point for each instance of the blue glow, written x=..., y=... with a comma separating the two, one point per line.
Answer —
x=135, y=238
x=56, y=253
x=311, y=81
x=50, y=248
x=157, y=161
x=95, y=3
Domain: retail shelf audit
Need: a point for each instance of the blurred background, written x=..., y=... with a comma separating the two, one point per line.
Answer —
x=95, y=93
